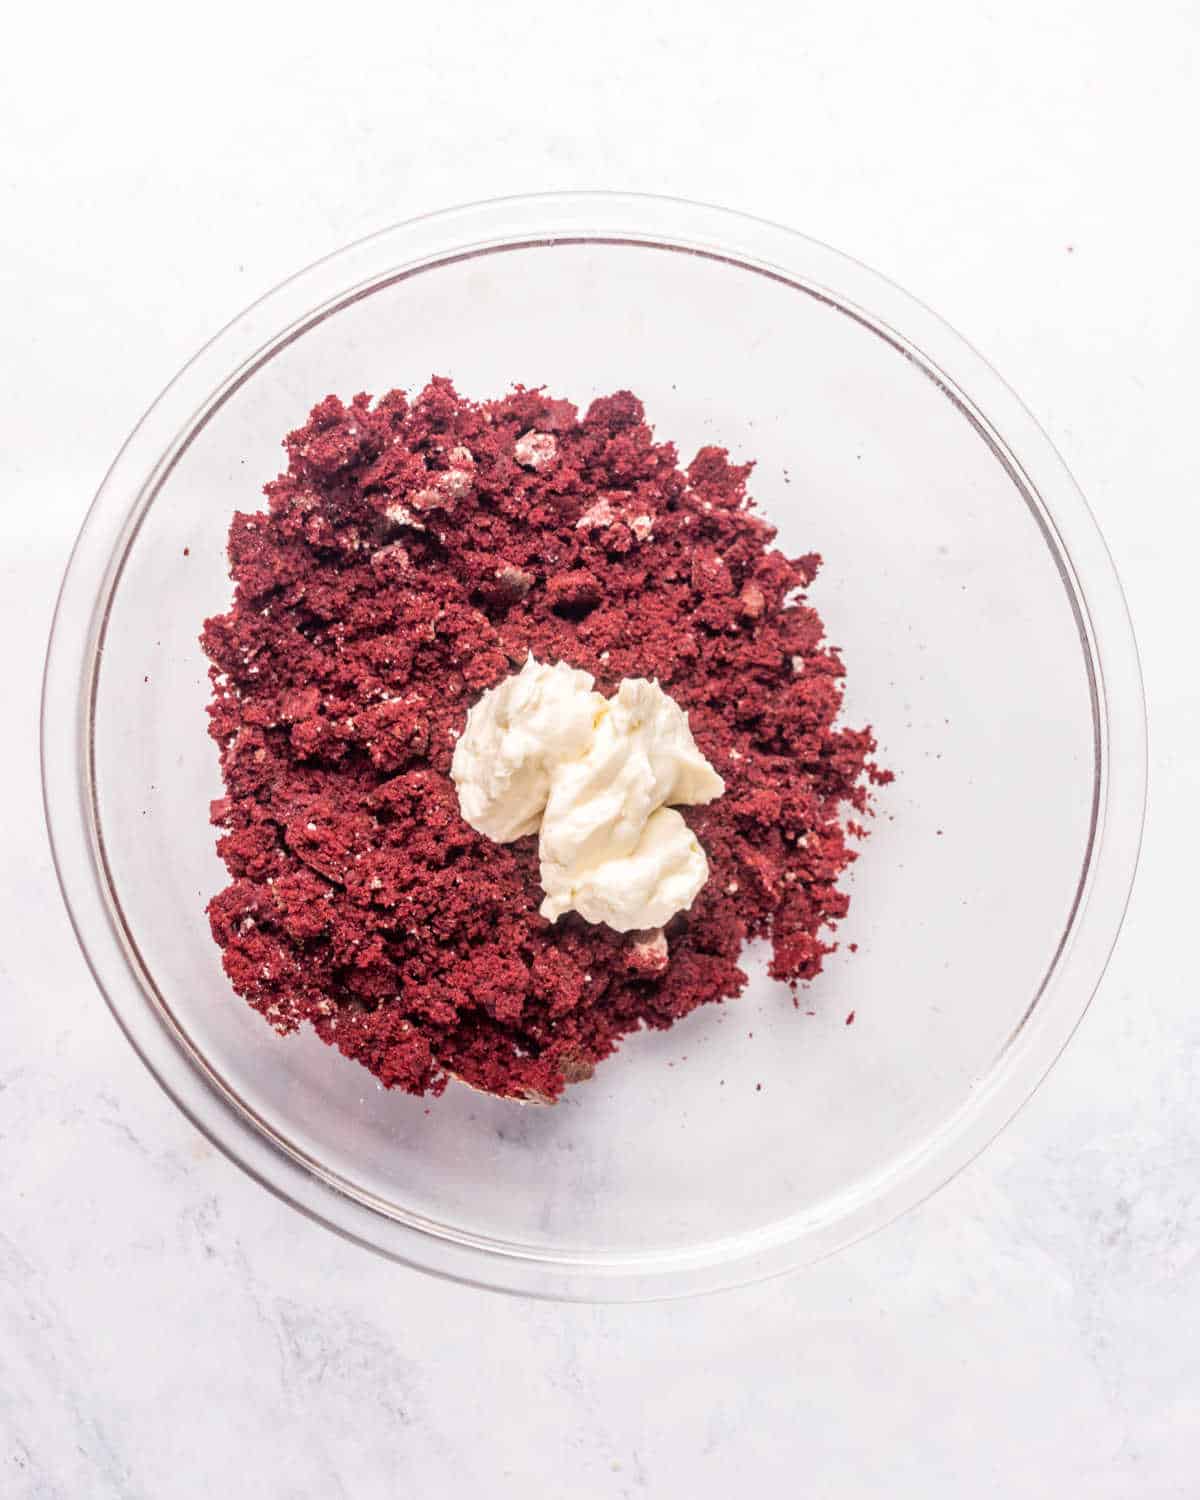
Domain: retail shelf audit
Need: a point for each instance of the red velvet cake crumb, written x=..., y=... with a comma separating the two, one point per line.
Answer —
x=411, y=556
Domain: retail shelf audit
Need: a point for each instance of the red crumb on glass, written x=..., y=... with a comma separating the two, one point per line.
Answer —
x=410, y=557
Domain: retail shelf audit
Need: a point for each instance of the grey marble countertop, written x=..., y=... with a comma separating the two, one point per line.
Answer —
x=168, y=1329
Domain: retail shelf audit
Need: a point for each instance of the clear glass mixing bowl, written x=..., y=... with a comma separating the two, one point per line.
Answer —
x=985, y=636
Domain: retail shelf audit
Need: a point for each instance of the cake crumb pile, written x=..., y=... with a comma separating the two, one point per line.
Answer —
x=412, y=555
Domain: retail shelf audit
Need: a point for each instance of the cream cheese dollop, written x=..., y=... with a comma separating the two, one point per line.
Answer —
x=599, y=777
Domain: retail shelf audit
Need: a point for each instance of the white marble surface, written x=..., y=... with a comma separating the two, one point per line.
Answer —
x=167, y=1328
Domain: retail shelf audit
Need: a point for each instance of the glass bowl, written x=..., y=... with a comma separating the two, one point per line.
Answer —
x=986, y=640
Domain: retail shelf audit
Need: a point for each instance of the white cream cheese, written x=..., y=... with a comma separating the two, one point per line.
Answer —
x=599, y=776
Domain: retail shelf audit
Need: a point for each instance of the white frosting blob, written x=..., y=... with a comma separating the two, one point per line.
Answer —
x=599, y=777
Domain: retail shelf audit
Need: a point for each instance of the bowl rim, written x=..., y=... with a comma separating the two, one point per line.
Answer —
x=416, y=246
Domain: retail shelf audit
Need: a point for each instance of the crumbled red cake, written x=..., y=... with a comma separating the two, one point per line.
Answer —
x=411, y=556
